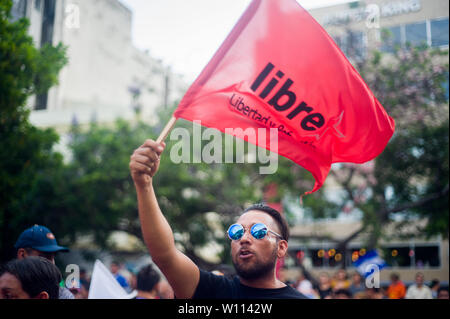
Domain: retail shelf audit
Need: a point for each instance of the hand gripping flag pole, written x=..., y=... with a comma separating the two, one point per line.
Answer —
x=165, y=132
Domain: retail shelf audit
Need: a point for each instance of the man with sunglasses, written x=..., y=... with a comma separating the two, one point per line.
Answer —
x=259, y=237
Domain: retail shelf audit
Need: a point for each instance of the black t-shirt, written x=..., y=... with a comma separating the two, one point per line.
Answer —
x=212, y=286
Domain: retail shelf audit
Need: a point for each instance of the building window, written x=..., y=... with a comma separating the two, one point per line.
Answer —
x=356, y=46
x=398, y=256
x=392, y=39
x=412, y=256
x=416, y=34
x=19, y=9
x=439, y=32
x=37, y=5
x=48, y=22
x=324, y=258
x=41, y=102
x=353, y=44
x=426, y=256
x=430, y=32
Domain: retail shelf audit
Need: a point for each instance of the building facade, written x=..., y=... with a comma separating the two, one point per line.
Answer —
x=316, y=246
x=107, y=76
x=357, y=27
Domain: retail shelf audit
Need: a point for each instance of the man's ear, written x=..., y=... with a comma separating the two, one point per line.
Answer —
x=282, y=248
x=21, y=253
x=42, y=295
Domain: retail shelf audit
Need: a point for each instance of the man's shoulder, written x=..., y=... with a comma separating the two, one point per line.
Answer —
x=212, y=286
x=65, y=293
x=291, y=293
x=215, y=286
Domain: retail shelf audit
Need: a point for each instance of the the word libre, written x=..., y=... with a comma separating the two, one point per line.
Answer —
x=285, y=100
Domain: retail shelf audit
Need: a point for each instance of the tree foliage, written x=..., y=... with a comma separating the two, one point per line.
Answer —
x=25, y=151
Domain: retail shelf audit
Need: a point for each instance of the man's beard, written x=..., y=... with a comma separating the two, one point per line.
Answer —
x=258, y=269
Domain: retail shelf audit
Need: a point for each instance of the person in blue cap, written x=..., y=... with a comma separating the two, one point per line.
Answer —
x=40, y=241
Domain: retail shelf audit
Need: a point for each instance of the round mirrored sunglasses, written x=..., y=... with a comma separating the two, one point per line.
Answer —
x=258, y=231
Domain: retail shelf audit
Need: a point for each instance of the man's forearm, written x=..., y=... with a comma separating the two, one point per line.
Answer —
x=182, y=274
x=156, y=230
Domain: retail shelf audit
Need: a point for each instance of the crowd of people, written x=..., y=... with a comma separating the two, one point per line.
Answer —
x=343, y=286
x=149, y=285
x=33, y=275
x=258, y=242
x=146, y=283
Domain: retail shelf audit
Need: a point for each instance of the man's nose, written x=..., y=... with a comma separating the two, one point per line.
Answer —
x=247, y=237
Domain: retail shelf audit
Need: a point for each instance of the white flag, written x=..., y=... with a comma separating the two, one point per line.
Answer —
x=105, y=286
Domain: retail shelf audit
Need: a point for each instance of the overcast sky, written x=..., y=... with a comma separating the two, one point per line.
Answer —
x=186, y=33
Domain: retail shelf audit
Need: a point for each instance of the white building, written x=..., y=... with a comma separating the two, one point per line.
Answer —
x=106, y=77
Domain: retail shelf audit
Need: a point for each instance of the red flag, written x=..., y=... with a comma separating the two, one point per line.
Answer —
x=279, y=68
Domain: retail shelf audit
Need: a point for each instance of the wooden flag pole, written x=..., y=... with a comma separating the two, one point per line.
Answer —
x=165, y=132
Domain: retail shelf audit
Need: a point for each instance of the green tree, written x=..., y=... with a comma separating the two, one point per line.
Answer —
x=25, y=151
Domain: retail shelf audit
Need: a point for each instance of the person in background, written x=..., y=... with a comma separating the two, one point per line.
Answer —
x=357, y=284
x=324, y=288
x=419, y=290
x=374, y=293
x=442, y=293
x=133, y=279
x=29, y=278
x=341, y=280
x=115, y=268
x=434, y=286
x=165, y=291
x=147, y=283
x=305, y=287
x=397, y=289
x=82, y=292
x=342, y=294
x=360, y=295
x=84, y=278
x=40, y=241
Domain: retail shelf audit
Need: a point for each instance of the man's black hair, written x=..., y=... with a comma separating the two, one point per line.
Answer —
x=395, y=276
x=345, y=292
x=147, y=278
x=36, y=274
x=442, y=289
x=434, y=282
x=279, y=219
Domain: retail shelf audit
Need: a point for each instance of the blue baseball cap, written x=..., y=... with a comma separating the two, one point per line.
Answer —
x=39, y=238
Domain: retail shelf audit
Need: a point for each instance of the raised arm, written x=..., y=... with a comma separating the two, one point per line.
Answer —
x=181, y=272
